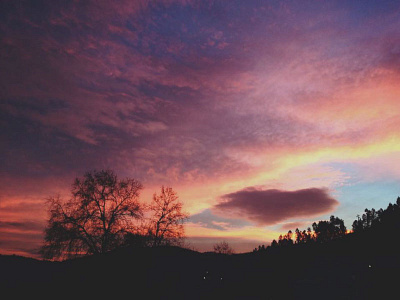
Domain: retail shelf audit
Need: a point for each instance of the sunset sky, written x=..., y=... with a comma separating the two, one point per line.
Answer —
x=263, y=116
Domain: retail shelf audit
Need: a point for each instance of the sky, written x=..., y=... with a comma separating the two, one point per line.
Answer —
x=263, y=116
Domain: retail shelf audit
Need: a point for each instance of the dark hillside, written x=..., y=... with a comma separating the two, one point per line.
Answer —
x=350, y=268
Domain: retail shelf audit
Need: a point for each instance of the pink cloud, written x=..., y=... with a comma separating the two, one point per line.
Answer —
x=268, y=207
x=189, y=94
x=293, y=225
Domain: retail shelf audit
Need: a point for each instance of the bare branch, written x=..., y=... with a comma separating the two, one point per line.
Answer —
x=101, y=210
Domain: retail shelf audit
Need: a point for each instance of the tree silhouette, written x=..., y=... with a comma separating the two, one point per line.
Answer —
x=323, y=231
x=260, y=248
x=223, y=248
x=302, y=237
x=382, y=219
x=329, y=230
x=95, y=219
x=167, y=218
x=285, y=240
x=368, y=219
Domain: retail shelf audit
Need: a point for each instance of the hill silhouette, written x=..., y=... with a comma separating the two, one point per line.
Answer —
x=360, y=265
x=336, y=270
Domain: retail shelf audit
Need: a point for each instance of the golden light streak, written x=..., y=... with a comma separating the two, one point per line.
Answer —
x=247, y=232
x=203, y=196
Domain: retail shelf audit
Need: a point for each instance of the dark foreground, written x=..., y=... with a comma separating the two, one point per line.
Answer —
x=346, y=269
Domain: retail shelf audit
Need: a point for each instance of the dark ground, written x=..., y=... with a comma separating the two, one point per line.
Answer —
x=351, y=268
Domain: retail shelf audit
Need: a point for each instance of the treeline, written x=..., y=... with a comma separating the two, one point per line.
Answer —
x=379, y=219
x=325, y=231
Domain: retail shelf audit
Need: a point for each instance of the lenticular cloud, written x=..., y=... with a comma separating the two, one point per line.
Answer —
x=268, y=207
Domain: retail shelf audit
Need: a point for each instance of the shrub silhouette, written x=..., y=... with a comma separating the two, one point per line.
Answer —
x=223, y=248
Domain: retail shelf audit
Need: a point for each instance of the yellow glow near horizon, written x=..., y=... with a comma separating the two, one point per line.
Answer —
x=209, y=192
x=247, y=232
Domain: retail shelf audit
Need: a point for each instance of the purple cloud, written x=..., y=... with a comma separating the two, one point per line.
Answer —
x=22, y=226
x=175, y=91
x=293, y=225
x=158, y=84
x=268, y=207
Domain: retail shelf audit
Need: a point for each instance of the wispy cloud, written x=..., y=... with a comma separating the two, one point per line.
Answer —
x=205, y=96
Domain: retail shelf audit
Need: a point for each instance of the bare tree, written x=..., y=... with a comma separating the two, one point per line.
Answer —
x=223, y=248
x=95, y=219
x=167, y=218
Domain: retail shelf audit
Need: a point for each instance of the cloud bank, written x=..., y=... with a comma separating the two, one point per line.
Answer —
x=195, y=94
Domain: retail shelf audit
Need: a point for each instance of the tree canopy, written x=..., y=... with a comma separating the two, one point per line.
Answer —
x=104, y=213
x=167, y=218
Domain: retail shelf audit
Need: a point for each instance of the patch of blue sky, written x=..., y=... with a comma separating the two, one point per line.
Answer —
x=356, y=193
x=355, y=198
x=209, y=220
